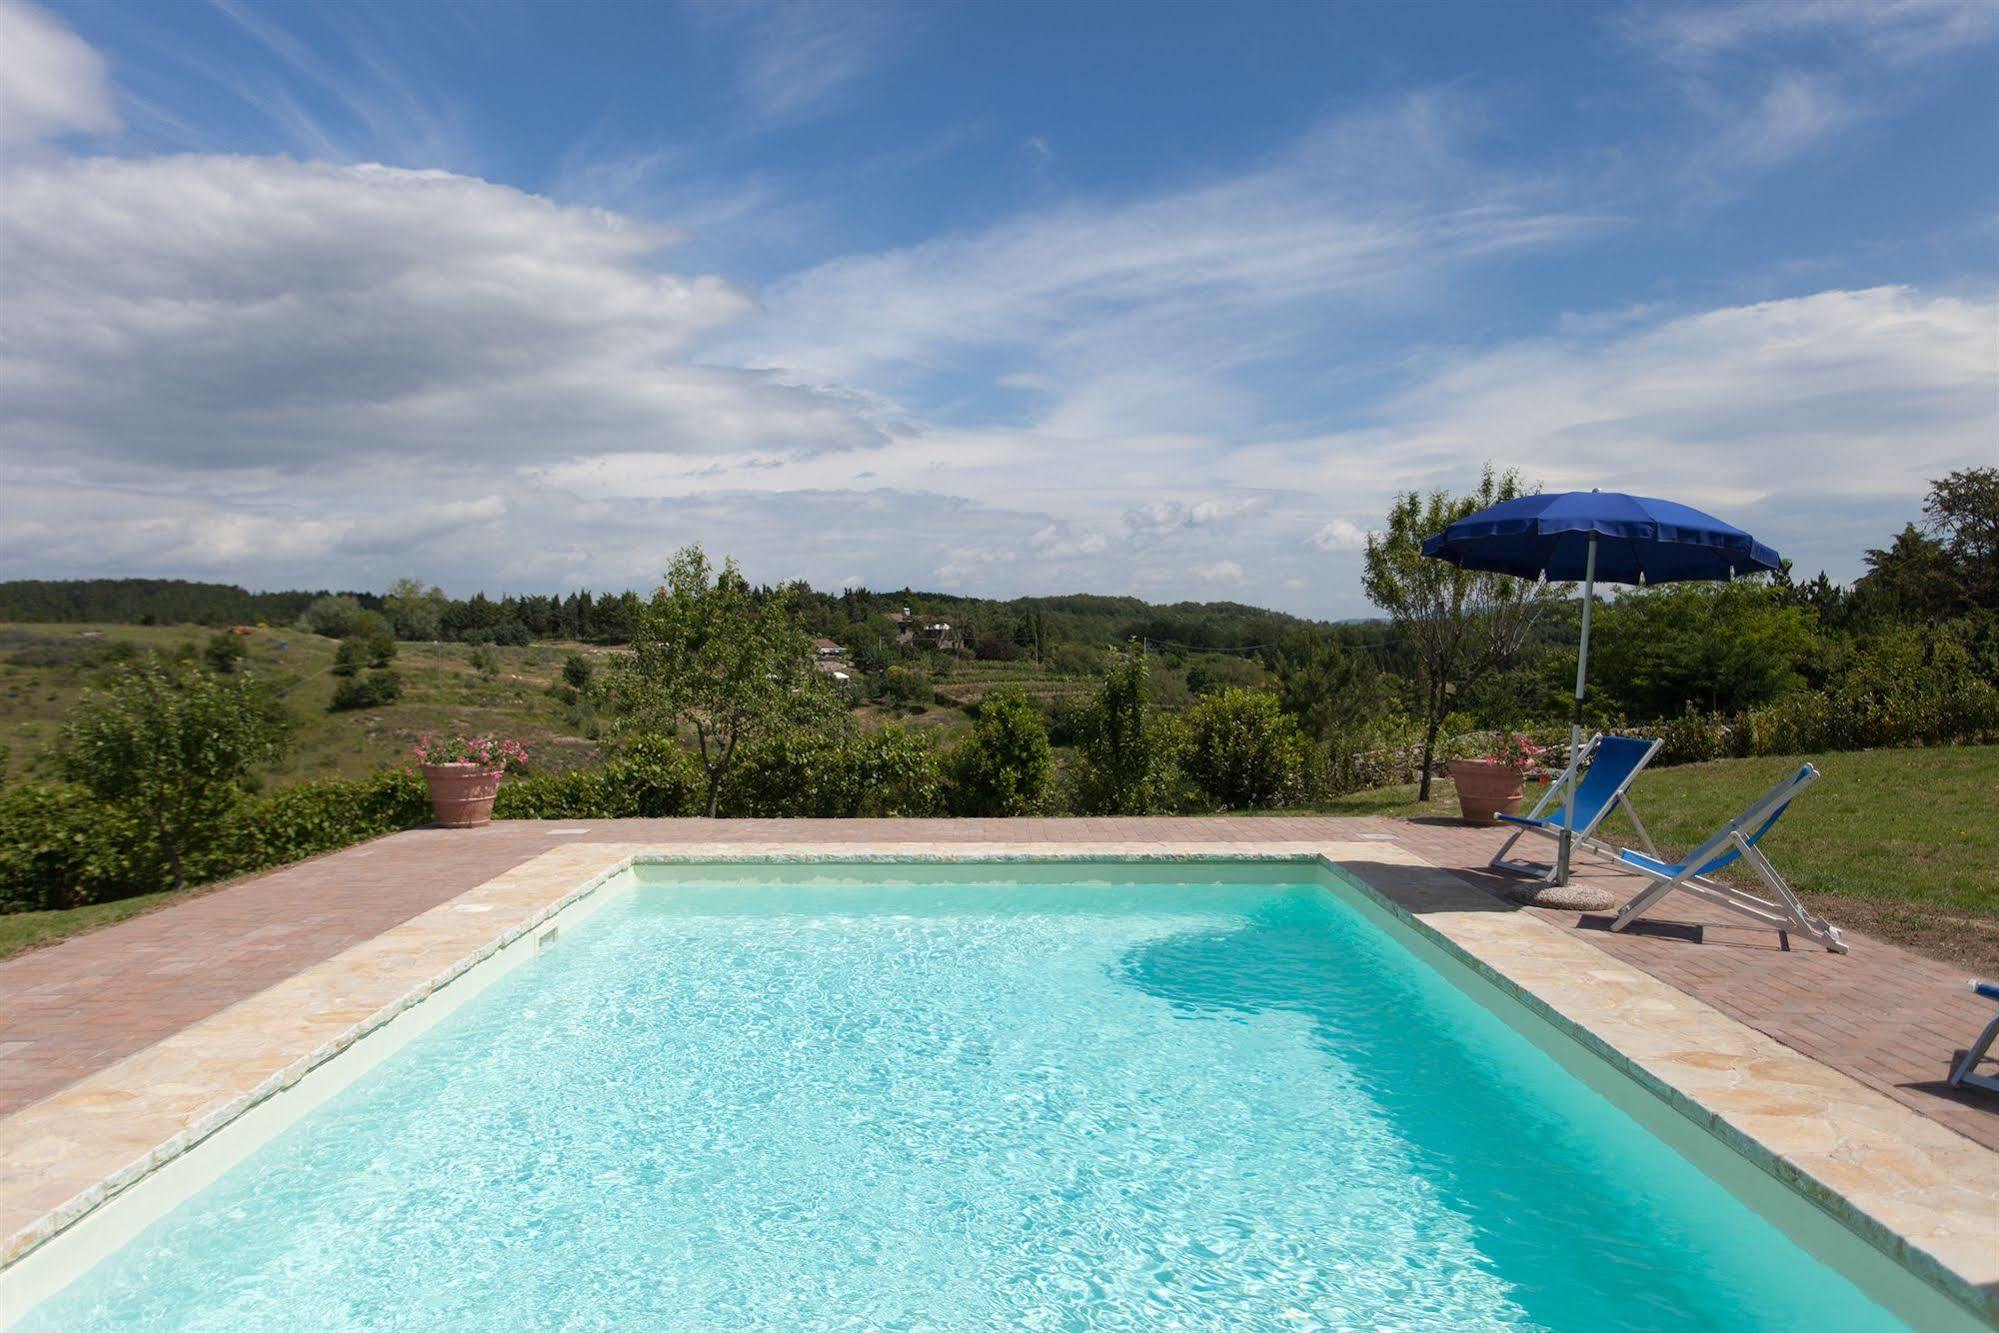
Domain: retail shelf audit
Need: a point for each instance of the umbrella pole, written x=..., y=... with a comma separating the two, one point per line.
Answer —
x=1576, y=722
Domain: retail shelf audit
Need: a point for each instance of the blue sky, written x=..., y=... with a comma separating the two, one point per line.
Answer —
x=1160, y=299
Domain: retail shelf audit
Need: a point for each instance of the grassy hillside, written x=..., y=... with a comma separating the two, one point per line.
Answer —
x=44, y=668
x=1901, y=844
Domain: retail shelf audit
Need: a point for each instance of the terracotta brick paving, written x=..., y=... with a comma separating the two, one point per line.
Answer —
x=1887, y=1017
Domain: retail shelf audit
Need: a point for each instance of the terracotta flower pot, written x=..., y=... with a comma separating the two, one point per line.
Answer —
x=461, y=795
x=1487, y=789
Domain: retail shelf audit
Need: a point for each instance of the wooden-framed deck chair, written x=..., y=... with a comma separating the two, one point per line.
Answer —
x=1966, y=1071
x=1614, y=762
x=1735, y=842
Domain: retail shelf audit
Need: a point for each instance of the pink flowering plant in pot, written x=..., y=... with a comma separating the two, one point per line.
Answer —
x=463, y=774
x=1494, y=785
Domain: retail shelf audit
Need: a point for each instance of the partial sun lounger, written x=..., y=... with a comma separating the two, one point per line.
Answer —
x=1965, y=1071
x=1735, y=842
x=1614, y=762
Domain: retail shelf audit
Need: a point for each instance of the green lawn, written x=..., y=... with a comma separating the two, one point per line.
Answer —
x=1899, y=843
x=25, y=930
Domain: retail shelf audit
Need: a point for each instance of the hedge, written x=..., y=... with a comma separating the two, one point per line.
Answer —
x=651, y=778
x=891, y=773
x=61, y=847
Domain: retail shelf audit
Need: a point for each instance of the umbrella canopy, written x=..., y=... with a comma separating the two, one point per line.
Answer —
x=1639, y=540
x=1589, y=536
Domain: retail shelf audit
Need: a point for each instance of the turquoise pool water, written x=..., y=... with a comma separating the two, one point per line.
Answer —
x=892, y=1105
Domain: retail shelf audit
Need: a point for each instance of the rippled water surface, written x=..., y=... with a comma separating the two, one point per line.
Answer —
x=1051, y=1106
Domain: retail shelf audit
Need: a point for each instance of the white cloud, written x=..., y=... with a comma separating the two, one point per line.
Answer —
x=51, y=81
x=1816, y=421
x=235, y=312
x=1163, y=518
x=1338, y=535
x=1221, y=571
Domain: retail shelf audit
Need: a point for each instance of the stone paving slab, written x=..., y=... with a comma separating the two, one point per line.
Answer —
x=1919, y=1191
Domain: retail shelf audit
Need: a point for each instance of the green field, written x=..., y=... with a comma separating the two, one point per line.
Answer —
x=44, y=668
x=1903, y=844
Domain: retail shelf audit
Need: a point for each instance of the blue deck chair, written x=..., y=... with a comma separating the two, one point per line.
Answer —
x=1735, y=842
x=1614, y=762
x=1964, y=1073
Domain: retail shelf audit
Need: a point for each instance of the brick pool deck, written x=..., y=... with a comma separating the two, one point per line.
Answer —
x=125, y=1049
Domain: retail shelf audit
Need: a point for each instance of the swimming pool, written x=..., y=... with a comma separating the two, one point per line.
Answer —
x=1052, y=1096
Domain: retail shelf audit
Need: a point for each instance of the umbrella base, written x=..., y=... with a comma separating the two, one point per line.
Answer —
x=1564, y=897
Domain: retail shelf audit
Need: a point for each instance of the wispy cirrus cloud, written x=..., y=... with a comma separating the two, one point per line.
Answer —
x=1778, y=81
x=1366, y=213
x=796, y=58
x=1891, y=30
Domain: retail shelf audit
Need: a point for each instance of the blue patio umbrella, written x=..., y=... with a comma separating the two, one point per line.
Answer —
x=1595, y=536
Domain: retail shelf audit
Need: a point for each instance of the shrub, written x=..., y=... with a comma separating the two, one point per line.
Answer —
x=374, y=690
x=333, y=617
x=906, y=689
x=651, y=777
x=1005, y=767
x=1242, y=752
x=484, y=662
x=847, y=774
x=370, y=648
x=225, y=652
x=576, y=671
x=62, y=847
x=1124, y=755
x=309, y=818
x=512, y=634
x=173, y=746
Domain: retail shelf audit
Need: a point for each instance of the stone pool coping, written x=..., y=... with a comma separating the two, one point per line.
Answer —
x=1924, y=1195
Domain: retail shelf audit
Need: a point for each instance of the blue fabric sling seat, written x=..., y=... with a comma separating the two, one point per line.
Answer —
x=1654, y=866
x=1736, y=841
x=1613, y=763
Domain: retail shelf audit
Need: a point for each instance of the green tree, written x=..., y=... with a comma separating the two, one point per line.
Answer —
x=1329, y=691
x=1962, y=511
x=1717, y=648
x=225, y=652
x=1005, y=766
x=904, y=688
x=1913, y=581
x=714, y=657
x=1124, y=753
x=369, y=646
x=1242, y=751
x=576, y=671
x=416, y=612
x=175, y=743
x=1458, y=624
x=334, y=617
x=376, y=689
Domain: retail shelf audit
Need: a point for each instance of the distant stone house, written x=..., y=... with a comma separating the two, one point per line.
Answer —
x=828, y=648
x=911, y=630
